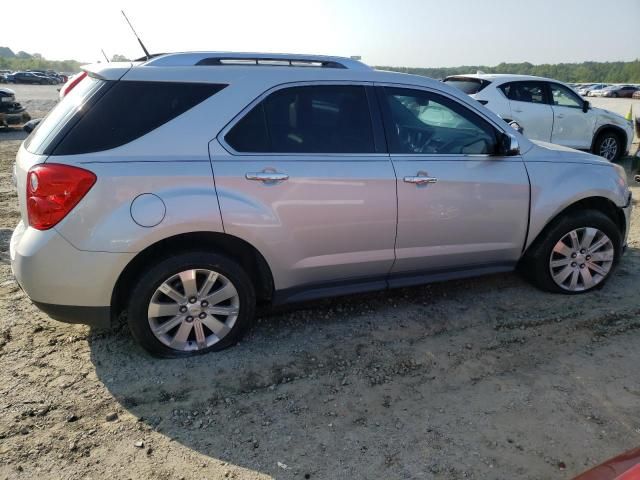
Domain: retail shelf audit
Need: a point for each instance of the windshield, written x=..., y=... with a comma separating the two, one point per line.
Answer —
x=47, y=131
x=468, y=85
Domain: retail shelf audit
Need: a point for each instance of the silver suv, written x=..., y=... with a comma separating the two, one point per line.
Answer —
x=185, y=189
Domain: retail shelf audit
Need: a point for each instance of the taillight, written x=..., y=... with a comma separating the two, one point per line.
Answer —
x=52, y=192
x=71, y=83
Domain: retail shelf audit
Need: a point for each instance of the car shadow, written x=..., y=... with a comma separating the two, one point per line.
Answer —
x=353, y=386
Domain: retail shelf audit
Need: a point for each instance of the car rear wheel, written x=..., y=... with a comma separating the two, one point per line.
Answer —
x=576, y=253
x=191, y=303
x=608, y=145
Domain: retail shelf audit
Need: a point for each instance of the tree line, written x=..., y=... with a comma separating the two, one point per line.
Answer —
x=606, y=72
x=37, y=62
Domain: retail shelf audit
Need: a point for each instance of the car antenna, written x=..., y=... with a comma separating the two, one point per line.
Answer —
x=146, y=52
x=105, y=55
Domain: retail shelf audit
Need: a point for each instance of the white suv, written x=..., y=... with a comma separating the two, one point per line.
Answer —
x=550, y=111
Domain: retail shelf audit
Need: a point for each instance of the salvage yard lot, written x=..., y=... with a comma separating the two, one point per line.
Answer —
x=484, y=378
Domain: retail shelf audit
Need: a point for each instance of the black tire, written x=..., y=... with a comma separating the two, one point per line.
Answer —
x=614, y=95
x=608, y=134
x=535, y=264
x=150, y=280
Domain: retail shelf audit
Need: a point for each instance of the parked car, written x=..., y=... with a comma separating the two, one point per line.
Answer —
x=550, y=111
x=623, y=91
x=585, y=90
x=29, y=78
x=12, y=113
x=330, y=178
x=52, y=77
x=625, y=466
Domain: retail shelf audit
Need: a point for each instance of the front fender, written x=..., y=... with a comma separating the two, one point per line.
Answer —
x=557, y=185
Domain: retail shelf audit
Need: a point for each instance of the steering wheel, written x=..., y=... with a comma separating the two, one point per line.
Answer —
x=415, y=139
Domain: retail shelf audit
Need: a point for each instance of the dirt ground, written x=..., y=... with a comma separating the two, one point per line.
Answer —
x=477, y=379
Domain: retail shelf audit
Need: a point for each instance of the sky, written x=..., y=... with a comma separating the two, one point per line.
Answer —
x=414, y=33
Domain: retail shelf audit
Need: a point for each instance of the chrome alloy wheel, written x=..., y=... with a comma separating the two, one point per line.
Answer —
x=193, y=309
x=609, y=148
x=581, y=259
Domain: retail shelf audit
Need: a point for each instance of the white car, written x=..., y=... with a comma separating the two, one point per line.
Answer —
x=549, y=111
x=586, y=90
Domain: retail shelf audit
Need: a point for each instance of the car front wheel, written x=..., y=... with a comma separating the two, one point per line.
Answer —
x=608, y=145
x=576, y=253
x=191, y=303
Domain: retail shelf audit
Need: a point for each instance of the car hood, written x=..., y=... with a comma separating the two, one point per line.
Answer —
x=550, y=152
x=7, y=92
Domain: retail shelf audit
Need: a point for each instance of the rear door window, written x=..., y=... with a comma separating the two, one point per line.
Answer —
x=307, y=119
x=530, y=92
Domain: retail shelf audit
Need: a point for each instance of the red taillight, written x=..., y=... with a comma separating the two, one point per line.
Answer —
x=71, y=83
x=52, y=192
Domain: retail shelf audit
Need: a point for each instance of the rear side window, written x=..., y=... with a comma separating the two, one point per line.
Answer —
x=468, y=85
x=308, y=119
x=129, y=110
x=530, y=92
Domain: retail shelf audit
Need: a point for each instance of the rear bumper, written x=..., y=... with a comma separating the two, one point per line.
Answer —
x=99, y=317
x=68, y=284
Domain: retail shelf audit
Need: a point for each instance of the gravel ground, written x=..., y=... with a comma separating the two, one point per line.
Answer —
x=477, y=379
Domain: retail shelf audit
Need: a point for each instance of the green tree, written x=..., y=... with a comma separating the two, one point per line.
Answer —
x=613, y=72
x=119, y=58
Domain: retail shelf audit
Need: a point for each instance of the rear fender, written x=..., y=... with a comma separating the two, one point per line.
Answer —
x=136, y=204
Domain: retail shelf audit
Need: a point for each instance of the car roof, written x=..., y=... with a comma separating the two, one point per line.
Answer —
x=504, y=77
x=255, y=67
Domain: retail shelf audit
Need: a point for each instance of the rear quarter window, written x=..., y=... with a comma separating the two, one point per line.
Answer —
x=69, y=110
x=129, y=110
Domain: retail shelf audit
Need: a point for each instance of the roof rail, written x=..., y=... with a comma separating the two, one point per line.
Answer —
x=188, y=59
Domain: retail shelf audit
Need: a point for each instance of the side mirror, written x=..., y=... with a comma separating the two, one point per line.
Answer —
x=586, y=106
x=508, y=145
x=516, y=126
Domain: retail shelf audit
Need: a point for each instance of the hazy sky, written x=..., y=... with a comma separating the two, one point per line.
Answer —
x=425, y=33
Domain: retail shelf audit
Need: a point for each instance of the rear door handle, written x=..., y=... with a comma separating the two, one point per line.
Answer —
x=267, y=177
x=559, y=115
x=420, y=179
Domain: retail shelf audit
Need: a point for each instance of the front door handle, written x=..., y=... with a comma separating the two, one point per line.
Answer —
x=267, y=177
x=420, y=179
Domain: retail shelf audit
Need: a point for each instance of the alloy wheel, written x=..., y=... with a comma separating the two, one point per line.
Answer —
x=609, y=148
x=193, y=309
x=581, y=259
